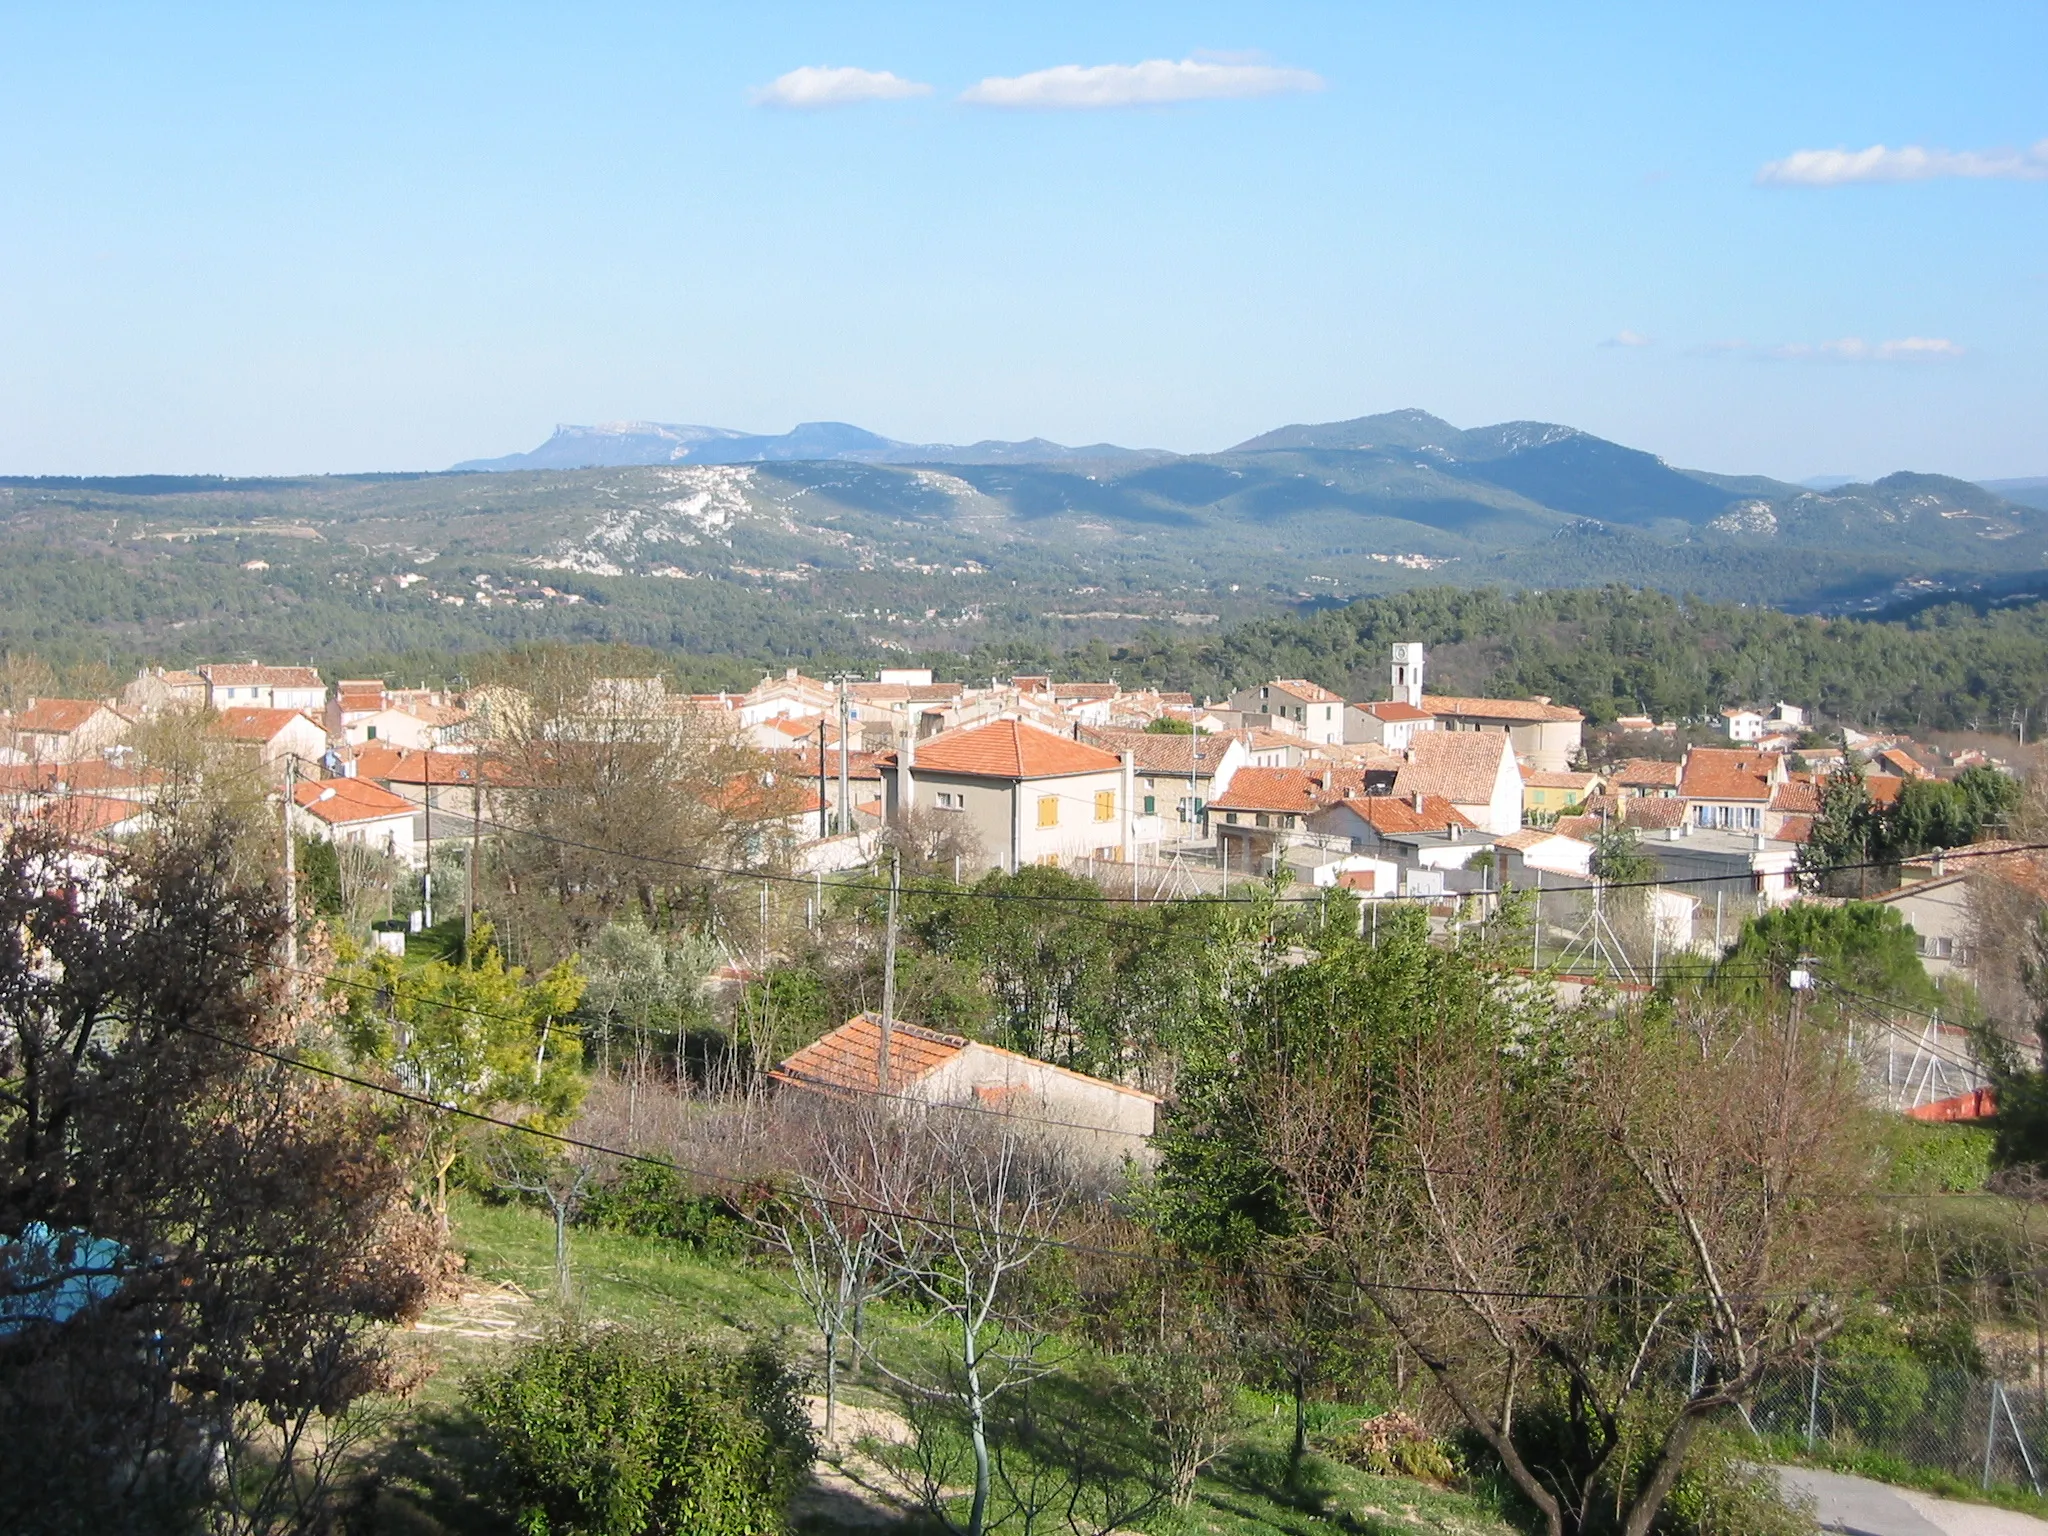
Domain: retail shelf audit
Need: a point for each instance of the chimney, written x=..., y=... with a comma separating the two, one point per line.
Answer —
x=1451, y=830
x=1940, y=857
x=1419, y=798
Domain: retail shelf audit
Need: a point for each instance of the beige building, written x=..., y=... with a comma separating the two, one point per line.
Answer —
x=1310, y=708
x=1546, y=736
x=1103, y=1119
x=60, y=731
x=1030, y=796
x=254, y=686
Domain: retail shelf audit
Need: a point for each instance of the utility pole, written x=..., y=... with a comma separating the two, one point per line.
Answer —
x=476, y=811
x=427, y=880
x=821, y=776
x=888, y=977
x=845, y=724
x=291, y=870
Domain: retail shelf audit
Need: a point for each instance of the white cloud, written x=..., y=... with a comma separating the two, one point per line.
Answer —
x=1909, y=162
x=1152, y=83
x=1847, y=349
x=816, y=85
x=1629, y=339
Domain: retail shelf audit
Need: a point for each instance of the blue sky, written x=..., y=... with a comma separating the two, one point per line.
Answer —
x=286, y=239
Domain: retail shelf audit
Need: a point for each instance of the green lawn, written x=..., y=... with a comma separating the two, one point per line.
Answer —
x=432, y=1458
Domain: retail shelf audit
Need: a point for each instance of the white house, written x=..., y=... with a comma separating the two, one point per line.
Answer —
x=1031, y=796
x=1547, y=736
x=1313, y=710
x=354, y=811
x=59, y=731
x=1743, y=723
x=1389, y=723
x=255, y=686
x=1474, y=770
x=945, y=1072
x=275, y=734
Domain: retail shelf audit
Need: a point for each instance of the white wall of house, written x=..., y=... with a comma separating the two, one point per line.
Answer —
x=386, y=834
x=1091, y=1114
x=1027, y=821
x=1318, y=720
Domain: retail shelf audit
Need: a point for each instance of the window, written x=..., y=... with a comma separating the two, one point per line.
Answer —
x=1105, y=805
x=1151, y=805
x=1048, y=810
x=950, y=800
x=1231, y=817
x=373, y=733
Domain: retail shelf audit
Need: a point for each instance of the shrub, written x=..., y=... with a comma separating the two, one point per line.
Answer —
x=617, y=1433
x=1393, y=1444
x=1937, y=1159
x=650, y=1201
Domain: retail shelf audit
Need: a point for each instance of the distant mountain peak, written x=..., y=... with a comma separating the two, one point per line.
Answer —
x=622, y=444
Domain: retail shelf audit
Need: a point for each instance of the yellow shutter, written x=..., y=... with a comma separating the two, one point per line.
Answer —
x=1105, y=805
x=1048, y=810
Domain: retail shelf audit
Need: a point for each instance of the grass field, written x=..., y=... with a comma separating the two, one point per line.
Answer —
x=430, y=1462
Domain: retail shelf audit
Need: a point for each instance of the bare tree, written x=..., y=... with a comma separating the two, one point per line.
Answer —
x=965, y=1209
x=621, y=796
x=1552, y=1218
x=934, y=843
x=560, y=1177
x=832, y=1242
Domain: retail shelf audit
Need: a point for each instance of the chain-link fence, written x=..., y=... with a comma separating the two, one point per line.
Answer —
x=1929, y=1416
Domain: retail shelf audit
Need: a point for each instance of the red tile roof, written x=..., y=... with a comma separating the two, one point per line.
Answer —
x=232, y=676
x=84, y=815
x=1459, y=765
x=1155, y=754
x=1395, y=709
x=1538, y=779
x=1296, y=791
x=53, y=716
x=1645, y=773
x=1010, y=749
x=849, y=1058
x=261, y=724
x=1302, y=688
x=1723, y=773
x=1393, y=814
x=1497, y=709
x=404, y=765
x=340, y=801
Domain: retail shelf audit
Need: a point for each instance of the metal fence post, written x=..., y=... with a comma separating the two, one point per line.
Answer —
x=1695, y=1389
x=1813, y=1404
x=1991, y=1428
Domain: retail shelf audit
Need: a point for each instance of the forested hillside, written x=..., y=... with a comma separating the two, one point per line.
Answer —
x=1618, y=650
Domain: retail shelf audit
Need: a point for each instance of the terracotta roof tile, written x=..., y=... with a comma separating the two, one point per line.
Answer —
x=232, y=676
x=340, y=801
x=1539, y=779
x=1394, y=709
x=1395, y=814
x=849, y=1058
x=1302, y=688
x=1497, y=709
x=1010, y=749
x=1154, y=753
x=1723, y=773
x=260, y=724
x=1296, y=791
x=1462, y=766
x=53, y=716
x=1645, y=773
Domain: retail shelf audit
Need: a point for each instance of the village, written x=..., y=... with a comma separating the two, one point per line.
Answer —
x=1447, y=803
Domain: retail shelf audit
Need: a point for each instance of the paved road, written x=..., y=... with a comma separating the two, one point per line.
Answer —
x=1861, y=1507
